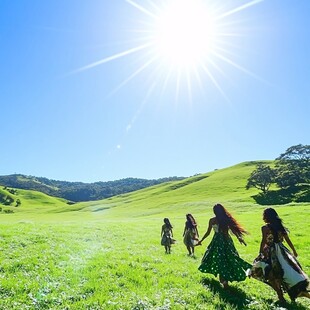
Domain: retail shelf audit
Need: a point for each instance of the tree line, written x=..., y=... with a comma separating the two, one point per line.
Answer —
x=79, y=191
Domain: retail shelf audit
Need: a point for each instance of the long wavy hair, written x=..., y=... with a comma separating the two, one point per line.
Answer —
x=226, y=221
x=167, y=222
x=190, y=221
x=272, y=218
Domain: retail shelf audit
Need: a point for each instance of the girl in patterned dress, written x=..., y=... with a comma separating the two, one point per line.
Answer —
x=167, y=235
x=190, y=234
x=221, y=257
x=276, y=265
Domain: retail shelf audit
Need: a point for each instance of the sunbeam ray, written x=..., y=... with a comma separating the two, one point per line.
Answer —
x=216, y=84
x=189, y=87
x=229, y=61
x=238, y=9
x=113, y=57
x=141, y=8
x=133, y=75
x=178, y=81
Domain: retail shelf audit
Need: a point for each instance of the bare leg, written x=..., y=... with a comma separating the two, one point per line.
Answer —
x=277, y=287
x=189, y=249
x=224, y=282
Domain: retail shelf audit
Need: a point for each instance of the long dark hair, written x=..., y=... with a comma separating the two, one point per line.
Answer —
x=190, y=221
x=226, y=221
x=167, y=222
x=272, y=218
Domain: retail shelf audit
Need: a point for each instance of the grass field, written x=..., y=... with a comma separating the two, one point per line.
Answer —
x=107, y=254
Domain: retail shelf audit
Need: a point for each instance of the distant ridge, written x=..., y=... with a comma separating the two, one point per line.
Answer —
x=79, y=191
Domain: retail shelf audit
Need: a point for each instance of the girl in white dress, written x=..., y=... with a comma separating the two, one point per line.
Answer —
x=276, y=265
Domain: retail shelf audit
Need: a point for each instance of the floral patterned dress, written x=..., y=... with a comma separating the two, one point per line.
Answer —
x=166, y=239
x=277, y=263
x=221, y=258
x=190, y=237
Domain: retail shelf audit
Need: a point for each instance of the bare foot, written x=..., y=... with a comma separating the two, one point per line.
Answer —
x=225, y=285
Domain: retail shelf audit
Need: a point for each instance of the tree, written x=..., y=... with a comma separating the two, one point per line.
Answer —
x=293, y=166
x=261, y=178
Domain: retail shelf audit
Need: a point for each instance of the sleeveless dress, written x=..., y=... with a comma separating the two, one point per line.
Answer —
x=190, y=237
x=221, y=258
x=277, y=263
x=166, y=239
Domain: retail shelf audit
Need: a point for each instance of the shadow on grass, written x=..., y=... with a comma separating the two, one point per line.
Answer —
x=233, y=296
x=273, y=198
x=299, y=193
x=237, y=298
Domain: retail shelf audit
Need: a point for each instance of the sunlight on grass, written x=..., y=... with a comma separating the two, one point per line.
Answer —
x=118, y=263
x=107, y=254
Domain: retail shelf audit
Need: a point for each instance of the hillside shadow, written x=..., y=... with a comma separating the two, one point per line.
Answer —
x=273, y=198
x=299, y=193
x=233, y=296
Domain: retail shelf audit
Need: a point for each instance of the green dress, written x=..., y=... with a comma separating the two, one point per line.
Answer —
x=221, y=258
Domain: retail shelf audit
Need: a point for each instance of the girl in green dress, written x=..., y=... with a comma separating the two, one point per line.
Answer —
x=221, y=257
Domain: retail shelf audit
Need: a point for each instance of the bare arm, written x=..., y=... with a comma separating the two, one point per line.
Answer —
x=289, y=242
x=264, y=238
x=207, y=232
x=240, y=239
x=197, y=232
x=162, y=231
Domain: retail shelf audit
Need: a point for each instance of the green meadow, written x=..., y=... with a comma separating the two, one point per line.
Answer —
x=107, y=254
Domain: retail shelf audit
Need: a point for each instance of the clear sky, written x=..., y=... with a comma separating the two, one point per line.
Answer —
x=103, y=90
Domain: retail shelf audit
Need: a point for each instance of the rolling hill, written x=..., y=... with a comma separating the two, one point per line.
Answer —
x=219, y=185
x=79, y=191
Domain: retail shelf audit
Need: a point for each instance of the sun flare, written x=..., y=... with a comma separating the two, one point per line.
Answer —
x=184, y=40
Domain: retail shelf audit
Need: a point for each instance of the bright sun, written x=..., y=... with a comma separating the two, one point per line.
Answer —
x=184, y=33
x=189, y=38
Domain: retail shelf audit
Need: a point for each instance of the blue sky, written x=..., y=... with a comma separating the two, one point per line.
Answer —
x=81, y=102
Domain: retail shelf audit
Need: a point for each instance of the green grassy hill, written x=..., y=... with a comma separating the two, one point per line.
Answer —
x=107, y=254
x=220, y=185
x=79, y=191
x=194, y=193
x=30, y=202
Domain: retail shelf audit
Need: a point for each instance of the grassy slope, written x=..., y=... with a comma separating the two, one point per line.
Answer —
x=220, y=185
x=33, y=202
x=106, y=254
x=194, y=194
